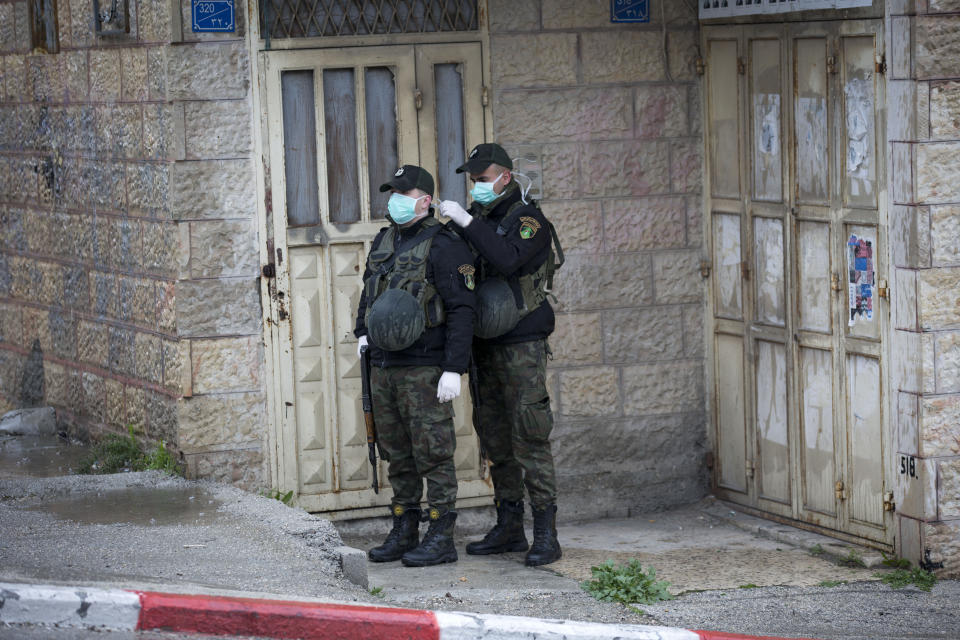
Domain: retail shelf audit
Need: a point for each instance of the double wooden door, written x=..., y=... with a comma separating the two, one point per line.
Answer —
x=340, y=122
x=795, y=191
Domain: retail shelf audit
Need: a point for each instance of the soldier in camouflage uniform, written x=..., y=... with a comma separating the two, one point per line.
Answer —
x=418, y=353
x=511, y=240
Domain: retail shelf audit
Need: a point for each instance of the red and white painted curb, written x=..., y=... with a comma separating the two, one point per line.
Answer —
x=220, y=615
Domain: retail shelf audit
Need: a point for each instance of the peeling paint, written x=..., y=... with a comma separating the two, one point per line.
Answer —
x=812, y=148
x=768, y=239
x=767, y=165
x=772, y=420
x=813, y=241
x=860, y=169
x=818, y=454
x=727, y=252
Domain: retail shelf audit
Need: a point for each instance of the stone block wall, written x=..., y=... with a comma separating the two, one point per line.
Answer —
x=222, y=416
x=609, y=116
x=924, y=112
x=88, y=251
x=128, y=249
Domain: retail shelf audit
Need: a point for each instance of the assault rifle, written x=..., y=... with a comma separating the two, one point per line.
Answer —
x=367, y=402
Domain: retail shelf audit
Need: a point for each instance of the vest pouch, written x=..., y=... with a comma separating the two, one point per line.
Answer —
x=436, y=314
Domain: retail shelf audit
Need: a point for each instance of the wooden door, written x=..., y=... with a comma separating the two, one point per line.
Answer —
x=340, y=122
x=797, y=240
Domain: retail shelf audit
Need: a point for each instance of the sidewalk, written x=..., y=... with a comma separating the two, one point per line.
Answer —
x=153, y=533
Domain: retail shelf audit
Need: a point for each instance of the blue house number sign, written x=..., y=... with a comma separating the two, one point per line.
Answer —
x=213, y=15
x=630, y=10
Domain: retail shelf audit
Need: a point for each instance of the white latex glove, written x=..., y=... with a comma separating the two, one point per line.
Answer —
x=456, y=213
x=449, y=386
x=361, y=343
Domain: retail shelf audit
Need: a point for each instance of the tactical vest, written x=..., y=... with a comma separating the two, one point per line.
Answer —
x=404, y=266
x=534, y=287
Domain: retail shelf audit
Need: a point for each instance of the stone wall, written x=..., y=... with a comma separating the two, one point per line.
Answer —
x=222, y=416
x=88, y=259
x=924, y=87
x=128, y=252
x=609, y=115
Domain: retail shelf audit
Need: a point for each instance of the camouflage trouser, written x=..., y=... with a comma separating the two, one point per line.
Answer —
x=515, y=420
x=416, y=434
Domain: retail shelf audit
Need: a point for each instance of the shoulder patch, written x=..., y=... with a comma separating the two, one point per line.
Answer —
x=468, y=270
x=528, y=227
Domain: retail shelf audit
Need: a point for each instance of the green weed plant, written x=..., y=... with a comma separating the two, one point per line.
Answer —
x=832, y=583
x=285, y=498
x=902, y=575
x=116, y=454
x=852, y=559
x=627, y=584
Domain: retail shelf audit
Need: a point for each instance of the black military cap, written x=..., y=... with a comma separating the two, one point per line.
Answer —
x=484, y=155
x=408, y=177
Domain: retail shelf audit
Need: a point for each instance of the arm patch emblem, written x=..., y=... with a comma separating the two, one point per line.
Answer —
x=528, y=227
x=468, y=270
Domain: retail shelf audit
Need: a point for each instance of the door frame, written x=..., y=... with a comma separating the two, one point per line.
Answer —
x=272, y=247
x=751, y=501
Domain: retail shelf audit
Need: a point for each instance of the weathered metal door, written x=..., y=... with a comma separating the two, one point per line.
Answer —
x=340, y=121
x=796, y=229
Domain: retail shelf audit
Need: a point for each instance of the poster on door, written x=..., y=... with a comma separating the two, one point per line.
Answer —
x=861, y=278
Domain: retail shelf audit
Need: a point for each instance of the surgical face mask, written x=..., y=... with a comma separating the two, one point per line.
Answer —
x=402, y=209
x=483, y=192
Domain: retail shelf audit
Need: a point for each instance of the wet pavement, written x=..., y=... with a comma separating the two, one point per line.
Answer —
x=151, y=531
x=138, y=506
x=39, y=456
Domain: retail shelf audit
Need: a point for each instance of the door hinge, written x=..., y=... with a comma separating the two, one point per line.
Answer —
x=700, y=66
x=705, y=268
x=838, y=490
x=835, y=281
x=269, y=270
x=751, y=469
x=831, y=64
x=745, y=270
x=485, y=96
x=881, y=64
x=741, y=67
x=418, y=99
x=888, y=503
x=882, y=290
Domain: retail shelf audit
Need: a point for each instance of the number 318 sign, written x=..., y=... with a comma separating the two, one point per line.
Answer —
x=213, y=15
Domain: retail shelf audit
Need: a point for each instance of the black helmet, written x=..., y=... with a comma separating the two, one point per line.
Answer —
x=497, y=311
x=395, y=321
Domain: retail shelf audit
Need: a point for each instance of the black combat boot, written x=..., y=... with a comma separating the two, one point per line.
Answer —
x=546, y=547
x=507, y=535
x=437, y=544
x=403, y=537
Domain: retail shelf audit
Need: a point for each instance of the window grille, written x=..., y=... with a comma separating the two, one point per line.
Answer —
x=313, y=18
x=726, y=8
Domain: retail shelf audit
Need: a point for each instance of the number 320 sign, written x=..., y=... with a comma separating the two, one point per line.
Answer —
x=213, y=15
